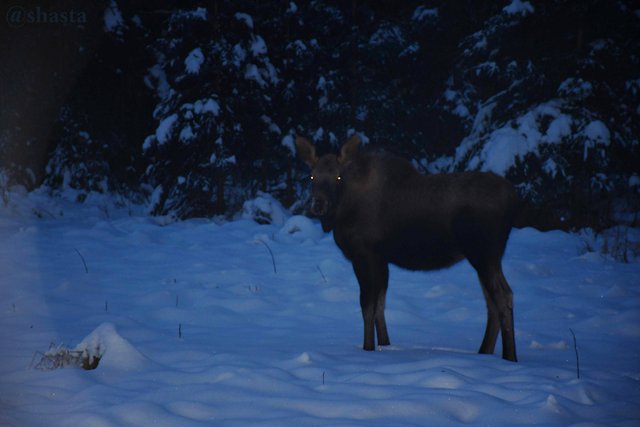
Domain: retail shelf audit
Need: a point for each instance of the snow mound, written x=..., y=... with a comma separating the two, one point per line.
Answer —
x=299, y=228
x=264, y=209
x=113, y=350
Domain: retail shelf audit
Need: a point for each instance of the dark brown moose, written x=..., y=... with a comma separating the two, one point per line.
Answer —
x=382, y=211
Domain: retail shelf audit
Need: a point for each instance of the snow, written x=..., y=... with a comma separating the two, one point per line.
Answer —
x=421, y=13
x=193, y=61
x=298, y=46
x=115, y=352
x=461, y=110
x=165, y=128
x=239, y=55
x=318, y=134
x=271, y=72
x=253, y=73
x=155, y=198
x=213, y=159
x=245, y=18
x=293, y=8
x=211, y=106
x=503, y=147
x=633, y=86
x=578, y=89
x=488, y=68
x=595, y=133
x=113, y=21
x=410, y=50
x=195, y=328
x=160, y=83
x=387, y=34
x=517, y=138
x=550, y=167
x=274, y=128
x=186, y=134
x=322, y=84
x=198, y=13
x=201, y=106
x=454, y=98
x=258, y=46
x=264, y=208
x=288, y=141
x=559, y=128
x=518, y=7
x=299, y=229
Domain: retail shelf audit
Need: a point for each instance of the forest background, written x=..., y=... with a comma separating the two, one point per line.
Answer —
x=191, y=108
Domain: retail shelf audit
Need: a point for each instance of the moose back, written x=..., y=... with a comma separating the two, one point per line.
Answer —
x=382, y=211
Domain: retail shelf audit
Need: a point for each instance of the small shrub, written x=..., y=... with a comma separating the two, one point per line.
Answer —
x=58, y=356
x=614, y=243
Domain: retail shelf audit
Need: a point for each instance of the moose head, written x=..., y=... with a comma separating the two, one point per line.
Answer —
x=326, y=176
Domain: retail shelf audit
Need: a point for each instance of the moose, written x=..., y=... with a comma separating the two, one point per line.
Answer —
x=382, y=210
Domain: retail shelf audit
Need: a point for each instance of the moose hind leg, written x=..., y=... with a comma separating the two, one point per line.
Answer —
x=493, y=325
x=506, y=320
x=500, y=297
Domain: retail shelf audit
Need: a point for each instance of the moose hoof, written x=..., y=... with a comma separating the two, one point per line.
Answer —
x=510, y=358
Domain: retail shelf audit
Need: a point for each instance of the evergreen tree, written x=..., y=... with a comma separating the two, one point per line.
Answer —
x=197, y=107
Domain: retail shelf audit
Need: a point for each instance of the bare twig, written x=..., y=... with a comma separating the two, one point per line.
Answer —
x=83, y=261
x=273, y=260
x=575, y=348
x=324, y=278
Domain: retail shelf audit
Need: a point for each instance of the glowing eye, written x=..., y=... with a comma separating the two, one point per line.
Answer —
x=339, y=178
x=312, y=178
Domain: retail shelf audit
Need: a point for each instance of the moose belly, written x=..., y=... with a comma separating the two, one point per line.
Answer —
x=421, y=251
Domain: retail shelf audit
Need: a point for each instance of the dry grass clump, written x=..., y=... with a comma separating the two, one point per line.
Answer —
x=58, y=356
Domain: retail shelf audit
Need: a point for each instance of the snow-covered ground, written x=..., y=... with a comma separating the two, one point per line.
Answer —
x=195, y=328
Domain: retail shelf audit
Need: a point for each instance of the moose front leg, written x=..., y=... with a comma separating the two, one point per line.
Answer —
x=367, y=304
x=373, y=277
x=381, y=324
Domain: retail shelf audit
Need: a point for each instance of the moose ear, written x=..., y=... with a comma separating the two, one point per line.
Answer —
x=349, y=149
x=306, y=151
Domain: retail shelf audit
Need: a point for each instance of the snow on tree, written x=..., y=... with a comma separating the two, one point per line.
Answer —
x=545, y=93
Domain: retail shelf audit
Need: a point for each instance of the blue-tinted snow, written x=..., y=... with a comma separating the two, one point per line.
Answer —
x=265, y=348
